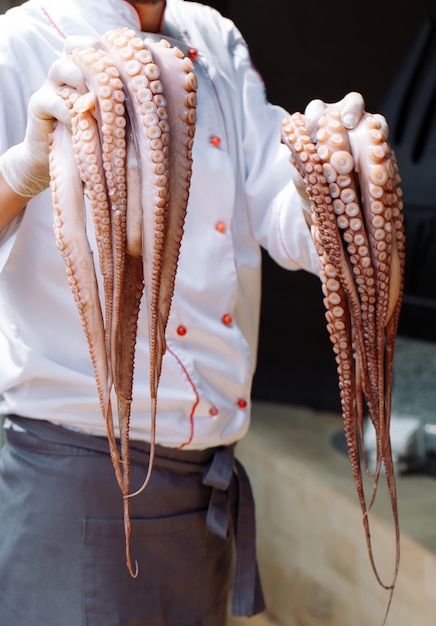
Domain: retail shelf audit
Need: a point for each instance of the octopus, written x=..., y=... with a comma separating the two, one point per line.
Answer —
x=125, y=167
x=353, y=183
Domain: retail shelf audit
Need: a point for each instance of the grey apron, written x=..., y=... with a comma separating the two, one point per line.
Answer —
x=62, y=544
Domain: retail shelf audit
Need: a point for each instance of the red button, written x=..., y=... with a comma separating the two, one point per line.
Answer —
x=181, y=330
x=242, y=404
x=213, y=411
x=193, y=54
x=221, y=227
x=215, y=141
x=227, y=319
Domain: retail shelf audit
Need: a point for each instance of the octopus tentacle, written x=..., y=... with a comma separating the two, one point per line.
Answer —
x=125, y=346
x=353, y=183
x=180, y=85
x=339, y=290
x=168, y=170
x=87, y=149
x=135, y=169
x=109, y=190
x=147, y=111
x=333, y=146
x=381, y=198
x=102, y=78
x=71, y=239
x=105, y=186
x=88, y=158
x=90, y=164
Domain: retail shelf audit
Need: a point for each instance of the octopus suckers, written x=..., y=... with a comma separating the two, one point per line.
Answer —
x=128, y=163
x=358, y=230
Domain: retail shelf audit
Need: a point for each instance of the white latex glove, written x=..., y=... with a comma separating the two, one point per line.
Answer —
x=25, y=166
x=302, y=192
x=352, y=108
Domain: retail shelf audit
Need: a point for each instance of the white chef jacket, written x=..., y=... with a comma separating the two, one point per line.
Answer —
x=241, y=198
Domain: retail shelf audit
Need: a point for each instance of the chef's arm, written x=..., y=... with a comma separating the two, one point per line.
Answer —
x=11, y=203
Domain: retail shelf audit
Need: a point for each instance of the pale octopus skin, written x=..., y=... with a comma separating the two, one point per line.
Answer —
x=353, y=183
x=130, y=153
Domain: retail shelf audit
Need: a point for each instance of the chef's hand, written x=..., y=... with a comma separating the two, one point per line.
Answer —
x=351, y=107
x=24, y=167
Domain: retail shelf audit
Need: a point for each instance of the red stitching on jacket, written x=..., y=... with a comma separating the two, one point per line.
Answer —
x=53, y=23
x=196, y=402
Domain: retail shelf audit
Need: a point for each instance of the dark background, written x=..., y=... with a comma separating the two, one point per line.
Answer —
x=314, y=49
x=317, y=49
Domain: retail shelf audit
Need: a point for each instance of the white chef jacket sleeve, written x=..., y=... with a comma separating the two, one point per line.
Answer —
x=274, y=205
